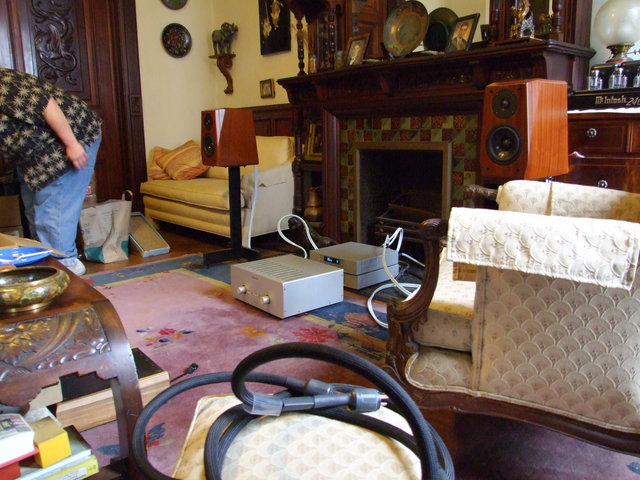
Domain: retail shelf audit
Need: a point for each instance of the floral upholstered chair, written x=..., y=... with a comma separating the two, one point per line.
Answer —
x=548, y=331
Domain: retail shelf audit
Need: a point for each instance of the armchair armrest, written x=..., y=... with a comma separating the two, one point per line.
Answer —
x=598, y=251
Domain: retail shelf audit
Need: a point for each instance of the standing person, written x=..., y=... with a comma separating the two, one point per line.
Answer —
x=53, y=137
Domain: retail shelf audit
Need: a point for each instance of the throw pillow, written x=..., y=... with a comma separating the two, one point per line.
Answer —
x=182, y=163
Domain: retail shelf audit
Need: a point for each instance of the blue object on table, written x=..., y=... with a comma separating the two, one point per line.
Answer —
x=22, y=255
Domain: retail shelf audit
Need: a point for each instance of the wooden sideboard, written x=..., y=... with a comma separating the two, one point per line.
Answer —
x=606, y=150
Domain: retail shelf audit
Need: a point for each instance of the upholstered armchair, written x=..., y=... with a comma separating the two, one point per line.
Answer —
x=546, y=326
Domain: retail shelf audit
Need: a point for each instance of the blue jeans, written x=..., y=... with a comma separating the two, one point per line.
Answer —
x=54, y=211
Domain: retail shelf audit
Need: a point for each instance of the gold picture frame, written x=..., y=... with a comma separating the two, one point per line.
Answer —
x=267, y=88
x=313, y=146
x=356, y=49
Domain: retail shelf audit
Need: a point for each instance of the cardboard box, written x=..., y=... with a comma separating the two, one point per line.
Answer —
x=9, y=241
x=10, y=211
x=144, y=237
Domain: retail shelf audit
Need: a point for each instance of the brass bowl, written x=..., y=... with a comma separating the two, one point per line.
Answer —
x=30, y=288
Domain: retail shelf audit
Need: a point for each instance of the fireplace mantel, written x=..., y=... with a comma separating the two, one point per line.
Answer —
x=419, y=85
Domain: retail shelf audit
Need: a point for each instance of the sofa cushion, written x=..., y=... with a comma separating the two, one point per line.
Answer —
x=203, y=192
x=182, y=163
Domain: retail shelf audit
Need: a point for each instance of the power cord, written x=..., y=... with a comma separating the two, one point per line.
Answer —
x=389, y=240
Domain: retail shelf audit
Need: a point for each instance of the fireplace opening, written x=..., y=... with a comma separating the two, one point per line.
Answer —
x=400, y=184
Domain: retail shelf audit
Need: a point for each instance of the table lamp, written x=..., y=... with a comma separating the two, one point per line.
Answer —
x=229, y=140
x=616, y=24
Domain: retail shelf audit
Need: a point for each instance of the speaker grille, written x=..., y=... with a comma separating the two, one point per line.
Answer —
x=208, y=145
x=207, y=121
x=503, y=144
x=504, y=103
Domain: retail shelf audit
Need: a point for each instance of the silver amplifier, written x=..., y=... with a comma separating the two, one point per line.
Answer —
x=287, y=285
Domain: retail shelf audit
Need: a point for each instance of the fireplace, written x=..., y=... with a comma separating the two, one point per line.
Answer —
x=400, y=184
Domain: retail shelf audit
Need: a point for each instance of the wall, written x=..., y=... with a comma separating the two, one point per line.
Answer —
x=175, y=90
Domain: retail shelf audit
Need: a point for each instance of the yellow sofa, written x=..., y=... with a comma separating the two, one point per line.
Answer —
x=202, y=203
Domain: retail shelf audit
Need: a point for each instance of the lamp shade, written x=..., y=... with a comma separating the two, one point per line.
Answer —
x=229, y=138
x=618, y=22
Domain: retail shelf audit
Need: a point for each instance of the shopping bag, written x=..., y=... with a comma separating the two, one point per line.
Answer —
x=105, y=230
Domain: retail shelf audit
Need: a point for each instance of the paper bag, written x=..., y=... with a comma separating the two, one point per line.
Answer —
x=105, y=230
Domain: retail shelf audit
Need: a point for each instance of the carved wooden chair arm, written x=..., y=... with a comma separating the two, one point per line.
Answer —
x=404, y=316
x=475, y=196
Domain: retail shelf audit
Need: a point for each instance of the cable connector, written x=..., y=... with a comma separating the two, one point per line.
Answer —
x=366, y=400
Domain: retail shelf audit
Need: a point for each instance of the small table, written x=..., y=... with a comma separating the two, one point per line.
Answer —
x=79, y=332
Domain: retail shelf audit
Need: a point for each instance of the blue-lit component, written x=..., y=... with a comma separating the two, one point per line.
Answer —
x=335, y=261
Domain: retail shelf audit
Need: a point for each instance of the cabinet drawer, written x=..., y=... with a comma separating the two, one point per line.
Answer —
x=589, y=136
x=614, y=173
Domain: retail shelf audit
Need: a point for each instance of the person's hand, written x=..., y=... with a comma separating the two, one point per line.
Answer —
x=77, y=155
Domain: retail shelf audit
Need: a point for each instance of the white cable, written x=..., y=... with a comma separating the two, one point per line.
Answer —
x=253, y=205
x=290, y=242
x=398, y=234
x=375, y=292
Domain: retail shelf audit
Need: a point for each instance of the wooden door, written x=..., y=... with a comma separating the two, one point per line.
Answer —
x=89, y=48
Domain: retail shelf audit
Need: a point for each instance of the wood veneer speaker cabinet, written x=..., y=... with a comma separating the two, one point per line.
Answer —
x=608, y=145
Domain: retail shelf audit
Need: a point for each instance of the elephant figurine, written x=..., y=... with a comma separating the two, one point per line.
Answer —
x=222, y=38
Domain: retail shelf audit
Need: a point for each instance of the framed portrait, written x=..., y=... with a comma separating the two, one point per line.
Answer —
x=275, y=26
x=313, y=147
x=355, y=49
x=267, y=88
x=462, y=33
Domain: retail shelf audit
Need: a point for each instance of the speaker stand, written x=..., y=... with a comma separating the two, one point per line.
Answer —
x=237, y=250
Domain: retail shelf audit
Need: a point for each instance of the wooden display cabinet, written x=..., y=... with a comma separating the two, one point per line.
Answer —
x=606, y=150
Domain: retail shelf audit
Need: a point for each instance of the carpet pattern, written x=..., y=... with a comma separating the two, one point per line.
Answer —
x=179, y=312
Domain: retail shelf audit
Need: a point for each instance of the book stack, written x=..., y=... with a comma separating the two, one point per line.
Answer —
x=81, y=463
x=16, y=443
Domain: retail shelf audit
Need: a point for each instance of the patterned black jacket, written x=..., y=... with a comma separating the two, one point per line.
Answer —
x=24, y=133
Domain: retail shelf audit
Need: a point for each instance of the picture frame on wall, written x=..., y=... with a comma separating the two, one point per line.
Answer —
x=267, y=88
x=313, y=146
x=462, y=33
x=275, y=26
x=356, y=49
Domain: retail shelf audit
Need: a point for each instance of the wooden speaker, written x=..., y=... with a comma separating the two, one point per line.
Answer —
x=208, y=135
x=524, y=130
x=228, y=137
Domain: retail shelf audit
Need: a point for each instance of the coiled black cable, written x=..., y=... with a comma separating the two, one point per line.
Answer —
x=315, y=397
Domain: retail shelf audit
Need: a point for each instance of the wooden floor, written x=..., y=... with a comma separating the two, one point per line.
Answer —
x=184, y=241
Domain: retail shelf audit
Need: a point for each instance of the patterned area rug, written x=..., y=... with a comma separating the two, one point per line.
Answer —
x=179, y=312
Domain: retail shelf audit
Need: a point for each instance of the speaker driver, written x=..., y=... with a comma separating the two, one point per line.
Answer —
x=503, y=144
x=504, y=103
x=208, y=121
x=208, y=144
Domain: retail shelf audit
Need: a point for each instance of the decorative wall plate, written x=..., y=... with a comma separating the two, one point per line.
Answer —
x=441, y=22
x=174, y=4
x=176, y=40
x=405, y=28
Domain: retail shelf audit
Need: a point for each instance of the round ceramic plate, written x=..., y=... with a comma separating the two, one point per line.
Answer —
x=174, y=4
x=405, y=28
x=176, y=40
x=441, y=22
x=22, y=255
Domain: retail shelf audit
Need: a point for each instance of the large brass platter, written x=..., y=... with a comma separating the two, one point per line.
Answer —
x=405, y=28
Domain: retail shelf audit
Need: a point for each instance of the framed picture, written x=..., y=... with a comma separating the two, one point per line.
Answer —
x=462, y=33
x=355, y=49
x=313, y=150
x=275, y=26
x=267, y=88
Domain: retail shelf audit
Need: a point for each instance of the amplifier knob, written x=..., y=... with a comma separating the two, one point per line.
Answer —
x=265, y=300
x=242, y=289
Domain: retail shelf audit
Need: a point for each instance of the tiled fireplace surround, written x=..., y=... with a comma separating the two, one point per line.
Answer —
x=461, y=130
